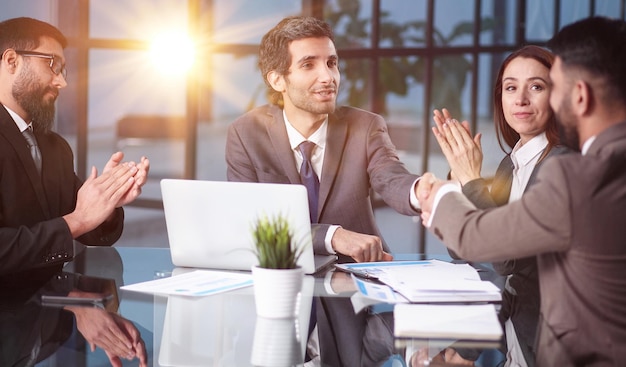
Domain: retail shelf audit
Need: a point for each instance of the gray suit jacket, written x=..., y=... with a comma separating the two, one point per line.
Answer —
x=522, y=305
x=359, y=156
x=573, y=219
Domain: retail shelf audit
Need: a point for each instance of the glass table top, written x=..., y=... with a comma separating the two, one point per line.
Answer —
x=217, y=330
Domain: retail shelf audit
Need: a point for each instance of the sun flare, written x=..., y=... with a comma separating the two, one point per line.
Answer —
x=172, y=53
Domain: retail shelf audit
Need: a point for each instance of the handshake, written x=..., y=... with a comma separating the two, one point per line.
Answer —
x=428, y=192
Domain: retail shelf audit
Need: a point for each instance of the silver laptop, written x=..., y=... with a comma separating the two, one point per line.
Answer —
x=209, y=223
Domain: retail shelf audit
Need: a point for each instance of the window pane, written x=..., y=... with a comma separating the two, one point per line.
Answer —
x=573, y=11
x=246, y=21
x=402, y=81
x=539, y=20
x=402, y=96
x=124, y=84
x=454, y=23
x=488, y=67
x=42, y=10
x=402, y=23
x=452, y=83
x=236, y=86
x=451, y=86
x=351, y=22
x=232, y=85
x=498, y=22
x=137, y=19
x=355, y=85
x=609, y=8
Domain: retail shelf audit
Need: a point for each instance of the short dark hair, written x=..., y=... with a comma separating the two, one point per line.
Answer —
x=596, y=45
x=25, y=34
x=503, y=130
x=274, y=49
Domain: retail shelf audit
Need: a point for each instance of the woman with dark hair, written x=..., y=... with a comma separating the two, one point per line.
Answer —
x=528, y=133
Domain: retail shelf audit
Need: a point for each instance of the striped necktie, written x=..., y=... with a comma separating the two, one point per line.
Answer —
x=32, y=145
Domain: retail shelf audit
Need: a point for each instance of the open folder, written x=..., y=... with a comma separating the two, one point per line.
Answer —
x=428, y=281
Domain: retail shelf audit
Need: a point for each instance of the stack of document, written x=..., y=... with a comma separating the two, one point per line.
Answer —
x=459, y=322
x=429, y=281
x=432, y=299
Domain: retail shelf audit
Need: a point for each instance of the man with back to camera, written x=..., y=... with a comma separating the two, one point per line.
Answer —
x=351, y=152
x=573, y=218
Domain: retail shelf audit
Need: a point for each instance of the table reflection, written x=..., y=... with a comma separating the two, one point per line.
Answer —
x=214, y=330
x=220, y=330
x=224, y=330
x=277, y=343
x=60, y=320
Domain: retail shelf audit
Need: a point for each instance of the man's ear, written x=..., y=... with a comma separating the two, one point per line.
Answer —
x=276, y=80
x=582, y=96
x=9, y=58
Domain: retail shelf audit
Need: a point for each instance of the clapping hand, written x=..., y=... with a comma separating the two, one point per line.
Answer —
x=463, y=153
x=119, y=184
x=140, y=176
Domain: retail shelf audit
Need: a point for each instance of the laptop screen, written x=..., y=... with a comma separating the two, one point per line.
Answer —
x=210, y=223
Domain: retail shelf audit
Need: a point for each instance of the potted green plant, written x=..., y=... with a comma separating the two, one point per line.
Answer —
x=277, y=277
x=275, y=247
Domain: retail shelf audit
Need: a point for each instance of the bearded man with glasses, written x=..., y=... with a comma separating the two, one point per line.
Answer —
x=44, y=206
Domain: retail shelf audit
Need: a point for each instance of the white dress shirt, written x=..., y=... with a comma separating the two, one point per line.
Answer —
x=317, y=160
x=524, y=158
x=19, y=121
x=587, y=144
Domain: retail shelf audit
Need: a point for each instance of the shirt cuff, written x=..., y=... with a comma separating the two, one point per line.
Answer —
x=329, y=239
x=446, y=188
x=413, y=197
x=327, y=283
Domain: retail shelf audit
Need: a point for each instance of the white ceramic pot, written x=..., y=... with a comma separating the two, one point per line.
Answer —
x=276, y=291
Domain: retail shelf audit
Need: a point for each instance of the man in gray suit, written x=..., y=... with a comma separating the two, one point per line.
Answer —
x=352, y=153
x=573, y=217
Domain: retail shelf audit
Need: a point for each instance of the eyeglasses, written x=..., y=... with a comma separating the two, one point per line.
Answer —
x=55, y=65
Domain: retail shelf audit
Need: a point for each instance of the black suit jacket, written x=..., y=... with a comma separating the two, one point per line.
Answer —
x=32, y=232
x=30, y=331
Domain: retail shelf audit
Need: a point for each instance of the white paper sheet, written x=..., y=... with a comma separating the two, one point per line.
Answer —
x=196, y=283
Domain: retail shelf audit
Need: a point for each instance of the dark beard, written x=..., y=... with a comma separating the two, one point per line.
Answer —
x=569, y=137
x=32, y=100
x=568, y=134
